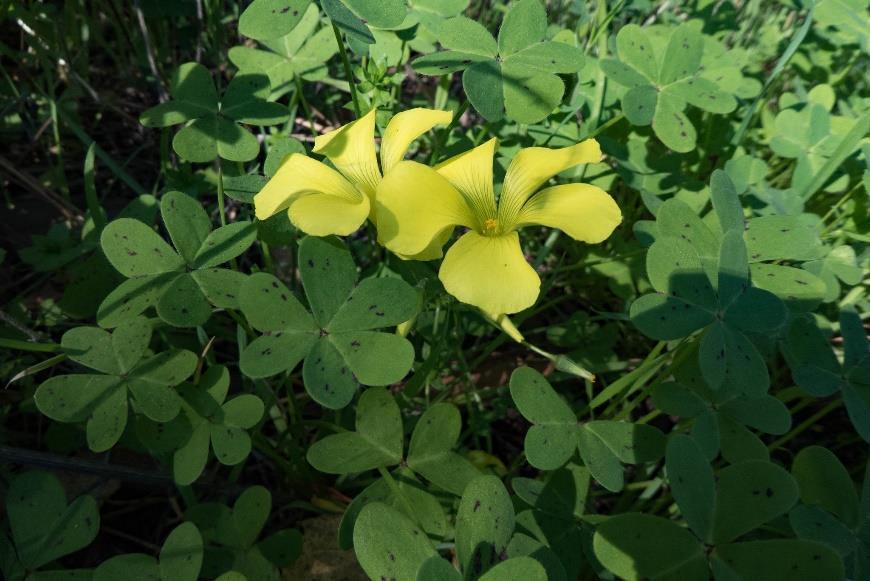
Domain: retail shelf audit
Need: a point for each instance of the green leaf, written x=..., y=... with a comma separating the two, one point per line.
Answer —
x=328, y=275
x=639, y=104
x=101, y=399
x=92, y=347
x=548, y=57
x=529, y=99
x=463, y=35
x=781, y=238
x=517, y=567
x=603, y=464
x=524, y=25
x=726, y=202
x=193, y=93
x=387, y=544
x=484, y=524
x=672, y=126
x=220, y=286
x=181, y=554
x=265, y=19
x=446, y=62
x=634, y=49
x=183, y=304
x=733, y=280
x=767, y=414
x=484, y=88
x=135, y=249
x=780, y=560
x=562, y=493
x=683, y=55
x=676, y=400
x=750, y=494
x=131, y=298
x=550, y=442
x=825, y=482
x=674, y=266
x=631, y=443
x=225, y=243
x=430, y=452
x=44, y=528
x=375, y=303
x=376, y=442
x=637, y=546
x=799, y=289
x=186, y=221
x=409, y=497
x=666, y=318
x=815, y=524
x=133, y=566
x=272, y=354
x=729, y=361
x=378, y=13
x=245, y=101
x=704, y=95
x=622, y=74
x=692, y=483
x=270, y=306
x=197, y=142
x=327, y=377
x=250, y=513
x=437, y=569
x=355, y=29
x=374, y=358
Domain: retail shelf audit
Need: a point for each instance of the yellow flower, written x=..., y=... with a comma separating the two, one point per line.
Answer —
x=418, y=208
x=322, y=201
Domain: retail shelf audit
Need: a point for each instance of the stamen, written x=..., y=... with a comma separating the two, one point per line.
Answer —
x=490, y=225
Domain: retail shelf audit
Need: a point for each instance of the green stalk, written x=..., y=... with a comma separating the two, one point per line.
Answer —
x=441, y=140
x=345, y=61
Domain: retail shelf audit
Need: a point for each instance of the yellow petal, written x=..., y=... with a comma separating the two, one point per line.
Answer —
x=404, y=128
x=583, y=212
x=415, y=207
x=351, y=148
x=471, y=174
x=533, y=166
x=324, y=215
x=491, y=273
x=435, y=249
x=300, y=175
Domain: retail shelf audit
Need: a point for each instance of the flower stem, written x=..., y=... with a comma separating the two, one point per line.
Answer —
x=342, y=49
x=441, y=140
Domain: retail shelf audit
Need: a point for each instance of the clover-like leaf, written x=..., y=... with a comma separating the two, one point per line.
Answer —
x=659, y=86
x=101, y=400
x=430, y=452
x=640, y=546
x=816, y=369
x=408, y=497
x=211, y=420
x=266, y=19
x=388, y=544
x=44, y=527
x=156, y=272
x=301, y=52
x=377, y=441
x=778, y=560
x=339, y=344
x=484, y=525
x=748, y=495
x=552, y=439
x=213, y=124
x=516, y=75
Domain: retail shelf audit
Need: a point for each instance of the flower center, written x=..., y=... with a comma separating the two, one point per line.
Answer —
x=490, y=226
